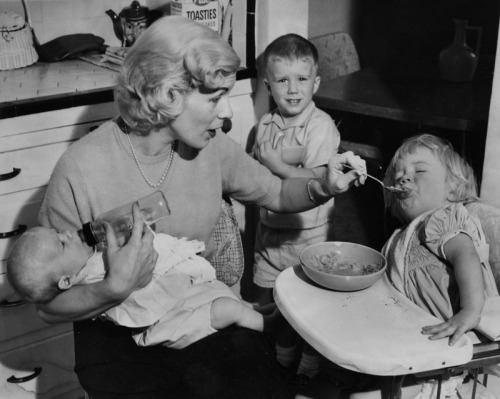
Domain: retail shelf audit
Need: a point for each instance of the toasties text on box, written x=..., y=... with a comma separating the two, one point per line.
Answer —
x=206, y=12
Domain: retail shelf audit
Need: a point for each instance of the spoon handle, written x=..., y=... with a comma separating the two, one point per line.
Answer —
x=392, y=189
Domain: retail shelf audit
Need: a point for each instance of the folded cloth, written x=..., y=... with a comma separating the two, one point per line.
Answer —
x=489, y=325
x=70, y=46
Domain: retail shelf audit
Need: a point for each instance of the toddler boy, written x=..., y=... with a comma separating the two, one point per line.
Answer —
x=296, y=139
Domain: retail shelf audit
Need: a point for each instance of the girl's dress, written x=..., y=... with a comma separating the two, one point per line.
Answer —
x=418, y=265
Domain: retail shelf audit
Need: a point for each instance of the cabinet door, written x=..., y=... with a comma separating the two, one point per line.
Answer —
x=16, y=321
x=19, y=210
x=40, y=370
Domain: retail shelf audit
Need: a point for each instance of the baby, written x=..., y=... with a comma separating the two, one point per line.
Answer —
x=182, y=304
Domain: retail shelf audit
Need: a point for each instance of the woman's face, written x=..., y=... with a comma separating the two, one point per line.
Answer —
x=424, y=177
x=204, y=111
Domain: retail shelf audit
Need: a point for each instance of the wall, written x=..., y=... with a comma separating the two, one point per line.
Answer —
x=490, y=190
x=331, y=16
x=275, y=18
x=54, y=18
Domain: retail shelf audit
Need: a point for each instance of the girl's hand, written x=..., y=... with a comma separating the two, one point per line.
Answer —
x=455, y=327
x=131, y=266
x=340, y=182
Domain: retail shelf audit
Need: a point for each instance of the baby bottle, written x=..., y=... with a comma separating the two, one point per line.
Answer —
x=153, y=208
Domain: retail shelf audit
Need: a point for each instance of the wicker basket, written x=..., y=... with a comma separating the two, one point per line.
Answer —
x=16, y=42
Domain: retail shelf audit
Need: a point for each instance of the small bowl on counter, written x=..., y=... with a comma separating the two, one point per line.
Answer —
x=342, y=266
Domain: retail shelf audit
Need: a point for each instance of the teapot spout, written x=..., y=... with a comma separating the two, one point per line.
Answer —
x=117, y=26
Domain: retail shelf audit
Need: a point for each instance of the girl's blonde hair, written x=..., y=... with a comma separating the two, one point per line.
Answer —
x=171, y=58
x=459, y=174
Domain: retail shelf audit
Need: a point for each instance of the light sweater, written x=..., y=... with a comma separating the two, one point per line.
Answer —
x=98, y=173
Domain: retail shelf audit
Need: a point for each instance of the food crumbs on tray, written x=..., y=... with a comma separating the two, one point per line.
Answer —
x=395, y=301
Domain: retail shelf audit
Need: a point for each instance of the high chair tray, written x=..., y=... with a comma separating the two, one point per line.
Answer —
x=374, y=331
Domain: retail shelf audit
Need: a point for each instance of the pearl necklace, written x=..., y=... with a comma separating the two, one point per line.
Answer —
x=172, y=151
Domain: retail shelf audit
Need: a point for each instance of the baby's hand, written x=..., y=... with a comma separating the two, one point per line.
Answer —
x=455, y=327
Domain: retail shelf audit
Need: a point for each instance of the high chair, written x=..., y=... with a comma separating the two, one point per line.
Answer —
x=485, y=352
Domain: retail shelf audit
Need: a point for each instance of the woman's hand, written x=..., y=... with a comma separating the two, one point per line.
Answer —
x=339, y=182
x=131, y=266
x=455, y=327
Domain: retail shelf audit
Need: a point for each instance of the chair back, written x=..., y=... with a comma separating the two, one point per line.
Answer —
x=337, y=55
x=490, y=221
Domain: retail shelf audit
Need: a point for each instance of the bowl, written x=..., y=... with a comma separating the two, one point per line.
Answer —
x=342, y=266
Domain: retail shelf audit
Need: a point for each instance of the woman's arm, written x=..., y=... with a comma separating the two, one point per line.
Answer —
x=463, y=257
x=130, y=267
x=301, y=194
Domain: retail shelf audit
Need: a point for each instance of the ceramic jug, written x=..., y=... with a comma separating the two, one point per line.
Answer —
x=458, y=62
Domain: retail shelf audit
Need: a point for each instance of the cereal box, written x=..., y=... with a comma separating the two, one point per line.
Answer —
x=206, y=12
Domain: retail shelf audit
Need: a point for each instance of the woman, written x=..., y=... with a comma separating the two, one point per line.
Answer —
x=173, y=96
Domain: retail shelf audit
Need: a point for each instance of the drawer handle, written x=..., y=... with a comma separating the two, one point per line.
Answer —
x=11, y=304
x=16, y=380
x=10, y=175
x=21, y=229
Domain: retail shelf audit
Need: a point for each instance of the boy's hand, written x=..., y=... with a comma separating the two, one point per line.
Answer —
x=455, y=327
x=270, y=154
x=130, y=266
x=338, y=181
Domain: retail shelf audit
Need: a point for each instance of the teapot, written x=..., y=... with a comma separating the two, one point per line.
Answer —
x=132, y=21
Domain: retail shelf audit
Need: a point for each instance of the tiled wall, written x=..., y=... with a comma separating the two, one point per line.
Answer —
x=54, y=18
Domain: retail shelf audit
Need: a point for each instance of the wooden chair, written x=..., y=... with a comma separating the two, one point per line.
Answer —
x=337, y=55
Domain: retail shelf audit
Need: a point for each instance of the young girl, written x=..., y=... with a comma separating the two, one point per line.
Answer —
x=439, y=258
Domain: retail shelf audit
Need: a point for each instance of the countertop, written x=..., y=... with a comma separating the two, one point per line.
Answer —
x=45, y=86
x=50, y=86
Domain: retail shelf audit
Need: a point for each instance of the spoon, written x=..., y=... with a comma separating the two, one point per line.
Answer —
x=392, y=189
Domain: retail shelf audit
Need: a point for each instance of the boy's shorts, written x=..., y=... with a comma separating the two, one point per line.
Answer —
x=279, y=249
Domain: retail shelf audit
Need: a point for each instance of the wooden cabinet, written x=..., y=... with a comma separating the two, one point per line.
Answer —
x=40, y=357
x=36, y=359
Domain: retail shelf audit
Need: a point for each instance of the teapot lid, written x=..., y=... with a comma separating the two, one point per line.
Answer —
x=134, y=12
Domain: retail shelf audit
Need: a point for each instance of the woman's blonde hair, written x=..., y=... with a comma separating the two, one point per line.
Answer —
x=459, y=174
x=171, y=58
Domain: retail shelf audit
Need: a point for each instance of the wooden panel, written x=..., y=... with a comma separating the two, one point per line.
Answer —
x=36, y=165
x=22, y=319
x=44, y=137
x=19, y=208
x=55, y=356
x=59, y=118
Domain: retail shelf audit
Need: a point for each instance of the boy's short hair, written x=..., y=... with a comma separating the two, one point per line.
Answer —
x=291, y=47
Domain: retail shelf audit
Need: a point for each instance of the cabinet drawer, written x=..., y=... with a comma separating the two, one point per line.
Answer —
x=17, y=209
x=23, y=319
x=55, y=119
x=36, y=165
x=7, y=293
x=55, y=358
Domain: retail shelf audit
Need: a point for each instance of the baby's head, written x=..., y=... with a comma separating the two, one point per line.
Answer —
x=432, y=173
x=291, y=67
x=43, y=262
